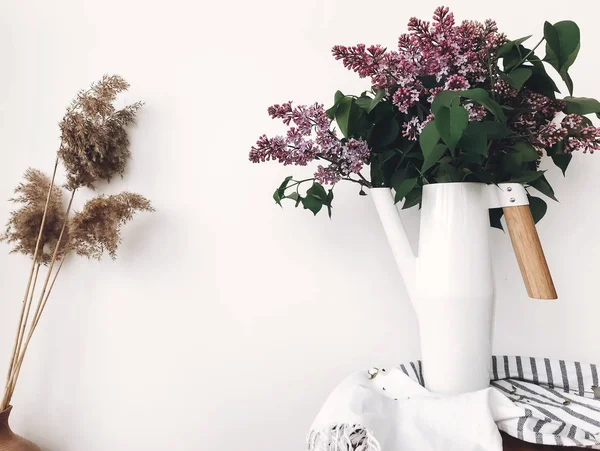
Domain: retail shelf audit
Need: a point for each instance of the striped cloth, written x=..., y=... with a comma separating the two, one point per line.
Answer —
x=557, y=395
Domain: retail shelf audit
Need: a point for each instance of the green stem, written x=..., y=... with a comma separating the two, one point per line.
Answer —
x=528, y=55
x=298, y=183
x=491, y=73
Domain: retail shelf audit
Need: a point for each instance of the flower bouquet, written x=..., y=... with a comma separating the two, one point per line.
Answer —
x=454, y=102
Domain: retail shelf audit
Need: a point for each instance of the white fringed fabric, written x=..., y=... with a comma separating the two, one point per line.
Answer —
x=342, y=437
x=541, y=401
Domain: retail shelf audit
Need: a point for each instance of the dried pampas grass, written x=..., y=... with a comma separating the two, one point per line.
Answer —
x=94, y=146
x=23, y=226
x=94, y=140
x=97, y=228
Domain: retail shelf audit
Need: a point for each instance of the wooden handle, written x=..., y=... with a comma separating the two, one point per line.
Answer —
x=529, y=252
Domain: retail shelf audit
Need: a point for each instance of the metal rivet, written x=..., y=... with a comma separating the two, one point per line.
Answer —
x=512, y=199
x=509, y=189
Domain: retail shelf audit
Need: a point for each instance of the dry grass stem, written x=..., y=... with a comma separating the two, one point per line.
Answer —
x=41, y=303
x=4, y=404
x=27, y=312
x=33, y=326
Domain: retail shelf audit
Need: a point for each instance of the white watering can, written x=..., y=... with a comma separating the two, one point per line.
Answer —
x=451, y=284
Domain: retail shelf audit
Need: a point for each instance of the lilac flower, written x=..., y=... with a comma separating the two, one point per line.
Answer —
x=404, y=98
x=476, y=112
x=586, y=140
x=550, y=134
x=412, y=128
x=572, y=121
x=533, y=123
x=309, y=137
x=504, y=90
x=456, y=82
x=327, y=176
x=439, y=48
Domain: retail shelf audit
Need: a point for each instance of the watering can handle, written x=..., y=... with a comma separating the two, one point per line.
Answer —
x=512, y=198
x=529, y=252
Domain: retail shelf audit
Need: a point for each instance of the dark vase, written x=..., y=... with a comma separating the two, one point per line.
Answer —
x=9, y=441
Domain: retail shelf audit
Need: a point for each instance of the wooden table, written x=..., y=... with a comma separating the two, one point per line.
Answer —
x=512, y=444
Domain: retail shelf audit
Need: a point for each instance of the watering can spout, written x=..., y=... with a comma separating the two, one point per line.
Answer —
x=396, y=235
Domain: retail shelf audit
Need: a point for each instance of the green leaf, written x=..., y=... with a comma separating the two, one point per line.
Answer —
x=527, y=176
x=504, y=49
x=336, y=100
x=313, y=204
x=444, y=99
x=342, y=114
x=317, y=190
x=413, y=198
x=329, y=198
x=475, y=139
x=562, y=160
x=403, y=188
x=378, y=98
x=350, y=118
x=451, y=123
x=280, y=192
x=518, y=77
x=285, y=182
x=541, y=82
x=542, y=185
x=328, y=202
x=384, y=132
x=568, y=81
x=581, y=105
x=364, y=102
x=563, y=40
x=496, y=218
x=482, y=97
x=552, y=45
x=316, y=197
x=495, y=130
x=562, y=47
x=448, y=173
x=526, y=151
x=538, y=208
x=513, y=57
x=277, y=197
x=433, y=156
x=512, y=163
x=429, y=138
x=484, y=177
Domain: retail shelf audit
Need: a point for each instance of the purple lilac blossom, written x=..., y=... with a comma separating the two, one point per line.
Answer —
x=454, y=54
x=310, y=137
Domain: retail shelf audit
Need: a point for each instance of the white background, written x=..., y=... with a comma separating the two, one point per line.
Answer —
x=225, y=321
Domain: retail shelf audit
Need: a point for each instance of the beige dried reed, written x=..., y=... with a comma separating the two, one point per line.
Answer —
x=94, y=146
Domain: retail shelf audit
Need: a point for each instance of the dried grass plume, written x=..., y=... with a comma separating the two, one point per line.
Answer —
x=94, y=140
x=23, y=225
x=97, y=228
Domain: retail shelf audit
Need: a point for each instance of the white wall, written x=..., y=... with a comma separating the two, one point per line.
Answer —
x=225, y=321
